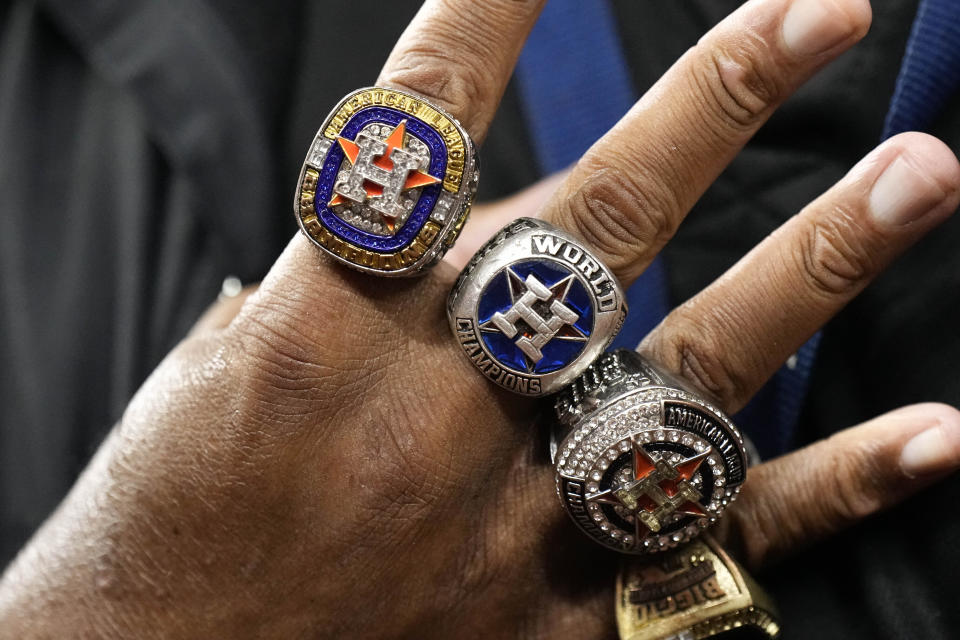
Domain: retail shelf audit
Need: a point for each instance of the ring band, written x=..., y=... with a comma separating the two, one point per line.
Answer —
x=387, y=183
x=534, y=308
x=690, y=593
x=644, y=463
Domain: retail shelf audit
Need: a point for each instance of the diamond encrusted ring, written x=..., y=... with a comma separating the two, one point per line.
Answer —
x=644, y=462
x=387, y=183
x=534, y=308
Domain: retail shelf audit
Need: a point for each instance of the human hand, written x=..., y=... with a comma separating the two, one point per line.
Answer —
x=325, y=463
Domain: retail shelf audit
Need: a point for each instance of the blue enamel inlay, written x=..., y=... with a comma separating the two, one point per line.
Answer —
x=428, y=196
x=557, y=353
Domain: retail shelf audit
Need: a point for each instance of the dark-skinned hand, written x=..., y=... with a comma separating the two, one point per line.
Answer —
x=322, y=462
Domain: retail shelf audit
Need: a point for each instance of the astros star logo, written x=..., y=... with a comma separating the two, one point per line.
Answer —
x=538, y=314
x=381, y=170
x=657, y=490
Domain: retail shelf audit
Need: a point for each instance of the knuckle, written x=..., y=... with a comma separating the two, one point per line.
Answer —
x=808, y=494
x=300, y=345
x=431, y=69
x=616, y=216
x=754, y=527
x=277, y=355
x=833, y=257
x=856, y=481
x=740, y=83
x=698, y=351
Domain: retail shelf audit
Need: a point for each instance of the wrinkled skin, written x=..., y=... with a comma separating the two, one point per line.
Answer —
x=321, y=461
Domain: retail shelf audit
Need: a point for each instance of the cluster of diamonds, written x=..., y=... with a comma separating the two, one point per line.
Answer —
x=361, y=215
x=599, y=441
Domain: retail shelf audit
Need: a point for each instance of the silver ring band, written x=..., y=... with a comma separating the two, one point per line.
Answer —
x=643, y=461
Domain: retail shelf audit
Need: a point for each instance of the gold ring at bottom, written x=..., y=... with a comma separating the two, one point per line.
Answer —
x=693, y=592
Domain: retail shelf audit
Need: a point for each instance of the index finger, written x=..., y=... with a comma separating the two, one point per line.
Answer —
x=460, y=55
x=456, y=55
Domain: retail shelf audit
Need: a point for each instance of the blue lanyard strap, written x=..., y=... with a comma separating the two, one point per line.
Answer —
x=930, y=71
x=574, y=84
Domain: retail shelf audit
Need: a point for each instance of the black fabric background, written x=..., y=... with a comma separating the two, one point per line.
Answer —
x=149, y=149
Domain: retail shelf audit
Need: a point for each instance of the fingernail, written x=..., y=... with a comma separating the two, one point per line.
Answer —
x=902, y=194
x=813, y=26
x=932, y=451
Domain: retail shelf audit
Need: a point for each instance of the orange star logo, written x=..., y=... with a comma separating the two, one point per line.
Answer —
x=657, y=490
x=395, y=140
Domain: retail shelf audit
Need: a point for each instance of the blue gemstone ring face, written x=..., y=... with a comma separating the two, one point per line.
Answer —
x=535, y=316
x=387, y=183
x=534, y=308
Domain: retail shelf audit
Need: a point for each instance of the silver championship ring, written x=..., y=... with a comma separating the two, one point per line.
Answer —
x=387, y=183
x=643, y=462
x=534, y=308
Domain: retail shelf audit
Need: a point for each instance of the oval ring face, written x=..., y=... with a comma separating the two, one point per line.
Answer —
x=387, y=183
x=533, y=308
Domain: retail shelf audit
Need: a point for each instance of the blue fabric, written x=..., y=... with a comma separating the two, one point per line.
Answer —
x=574, y=81
x=574, y=84
x=930, y=71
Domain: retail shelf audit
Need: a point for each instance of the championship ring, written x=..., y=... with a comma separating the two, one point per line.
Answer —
x=534, y=308
x=644, y=462
x=691, y=593
x=387, y=183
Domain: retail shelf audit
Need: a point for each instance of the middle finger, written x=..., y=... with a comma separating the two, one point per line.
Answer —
x=630, y=191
